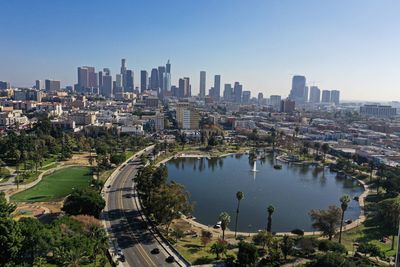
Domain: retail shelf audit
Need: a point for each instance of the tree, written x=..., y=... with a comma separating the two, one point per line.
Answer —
x=169, y=202
x=218, y=248
x=36, y=241
x=388, y=214
x=239, y=197
x=371, y=166
x=326, y=221
x=225, y=219
x=270, y=211
x=344, y=203
x=205, y=237
x=10, y=241
x=247, y=254
x=84, y=201
x=381, y=174
x=262, y=238
x=5, y=208
x=325, y=149
x=178, y=234
x=286, y=246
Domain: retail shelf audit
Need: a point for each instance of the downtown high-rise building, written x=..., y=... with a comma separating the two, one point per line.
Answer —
x=246, y=96
x=275, y=102
x=167, y=77
x=123, y=72
x=87, y=78
x=154, y=80
x=237, y=91
x=52, y=86
x=161, y=78
x=202, y=88
x=216, y=92
x=299, y=91
x=335, y=97
x=129, y=81
x=143, y=80
x=228, y=92
x=39, y=85
x=107, y=85
x=326, y=96
x=315, y=94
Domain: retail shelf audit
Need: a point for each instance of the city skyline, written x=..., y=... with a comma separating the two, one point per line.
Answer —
x=335, y=47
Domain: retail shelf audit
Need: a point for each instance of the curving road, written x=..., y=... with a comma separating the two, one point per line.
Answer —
x=126, y=227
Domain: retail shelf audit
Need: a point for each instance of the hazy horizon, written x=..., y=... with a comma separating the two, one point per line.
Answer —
x=351, y=46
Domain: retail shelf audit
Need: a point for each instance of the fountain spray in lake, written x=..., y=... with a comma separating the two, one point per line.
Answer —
x=254, y=166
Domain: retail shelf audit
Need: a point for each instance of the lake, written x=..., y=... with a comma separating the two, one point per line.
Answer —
x=293, y=190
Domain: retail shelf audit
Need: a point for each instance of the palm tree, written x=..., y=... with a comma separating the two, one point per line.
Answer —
x=380, y=172
x=225, y=219
x=325, y=149
x=270, y=210
x=239, y=197
x=344, y=200
x=317, y=146
x=371, y=166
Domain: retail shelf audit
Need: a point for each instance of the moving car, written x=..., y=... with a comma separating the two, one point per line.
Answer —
x=155, y=251
x=170, y=259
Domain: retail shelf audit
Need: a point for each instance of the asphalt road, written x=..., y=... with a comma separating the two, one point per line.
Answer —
x=128, y=230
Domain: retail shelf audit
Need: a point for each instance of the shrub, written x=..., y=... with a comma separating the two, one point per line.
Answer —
x=326, y=245
x=372, y=249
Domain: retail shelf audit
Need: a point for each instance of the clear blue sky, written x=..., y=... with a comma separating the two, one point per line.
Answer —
x=351, y=45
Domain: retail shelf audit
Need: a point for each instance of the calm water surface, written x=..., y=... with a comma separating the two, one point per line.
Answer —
x=293, y=191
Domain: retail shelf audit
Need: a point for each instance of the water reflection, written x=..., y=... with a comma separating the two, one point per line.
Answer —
x=293, y=190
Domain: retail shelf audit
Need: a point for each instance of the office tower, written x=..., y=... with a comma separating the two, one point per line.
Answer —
x=217, y=88
x=4, y=85
x=154, y=82
x=39, y=85
x=326, y=96
x=52, y=86
x=83, y=78
x=379, y=111
x=275, y=102
x=186, y=116
x=246, y=95
x=228, y=92
x=143, y=80
x=100, y=81
x=315, y=94
x=161, y=78
x=167, y=82
x=202, y=88
x=305, y=95
x=168, y=67
x=167, y=79
x=335, y=97
x=123, y=72
x=93, y=80
x=260, y=98
x=181, y=88
x=299, y=92
x=287, y=106
x=129, y=82
x=188, y=87
x=237, y=91
x=118, y=80
x=107, y=88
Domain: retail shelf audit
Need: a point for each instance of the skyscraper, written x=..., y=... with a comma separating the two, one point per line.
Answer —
x=326, y=96
x=129, y=84
x=188, y=88
x=167, y=78
x=143, y=80
x=275, y=102
x=107, y=88
x=161, y=78
x=335, y=97
x=154, y=81
x=202, y=88
x=123, y=72
x=315, y=94
x=52, y=86
x=237, y=91
x=246, y=95
x=299, y=93
x=260, y=98
x=38, y=84
x=217, y=88
x=228, y=92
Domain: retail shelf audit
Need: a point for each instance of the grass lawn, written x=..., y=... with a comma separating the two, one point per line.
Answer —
x=56, y=185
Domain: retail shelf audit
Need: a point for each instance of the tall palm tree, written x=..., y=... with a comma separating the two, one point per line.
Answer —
x=371, y=166
x=317, y=146
x=381, y=173
x=270, y=210
x=225, y=219
x=239, y=197
x=344, y=203
x=325, y=149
